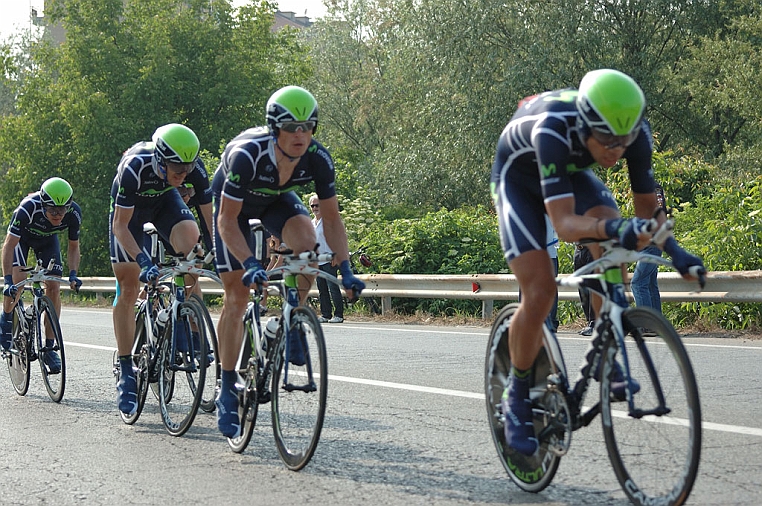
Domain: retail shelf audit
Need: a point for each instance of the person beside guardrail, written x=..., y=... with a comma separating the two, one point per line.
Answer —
x=645, y=282
x=543, y=166
x=145, y=190
x=255, y=179
x=331, y=300
x=34, y=225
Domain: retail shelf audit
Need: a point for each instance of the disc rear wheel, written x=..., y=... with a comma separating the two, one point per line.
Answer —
x=535, y=472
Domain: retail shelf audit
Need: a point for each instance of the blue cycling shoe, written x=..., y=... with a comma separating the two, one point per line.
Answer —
x=52, y=360
x=127, y=393
x=517, y=410
x=6, y=331
x=227, y=413
x=296, y=346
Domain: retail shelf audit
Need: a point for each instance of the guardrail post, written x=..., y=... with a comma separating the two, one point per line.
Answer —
x=487, y=307
x=386, y=305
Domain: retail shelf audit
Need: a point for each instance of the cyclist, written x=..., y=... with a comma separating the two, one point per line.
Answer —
x=258, y=172
x=543, y=165
x=145, y=189
x=35, y=224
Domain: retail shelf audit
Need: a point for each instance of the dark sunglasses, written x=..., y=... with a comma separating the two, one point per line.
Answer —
x=314, y=206
x=294, y=126
x=611, y=141
x=57, y=210
x=187, y=192
x=180, y=168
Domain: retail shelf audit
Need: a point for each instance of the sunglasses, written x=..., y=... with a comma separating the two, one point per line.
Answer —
x=180, y=168
x=314, y=206
x=56, y=210
x=187, y=192
x=611, y=141
x=294, y=126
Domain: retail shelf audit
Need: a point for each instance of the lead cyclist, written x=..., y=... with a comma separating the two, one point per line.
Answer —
x=543, y=165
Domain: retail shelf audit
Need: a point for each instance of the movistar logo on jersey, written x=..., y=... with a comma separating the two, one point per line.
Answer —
x=312, y=148
x=548, y=170
x=564, y=96
x=233, y=178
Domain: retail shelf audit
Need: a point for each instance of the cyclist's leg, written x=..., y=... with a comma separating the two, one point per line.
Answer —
x=229, y=333
x=14, y=246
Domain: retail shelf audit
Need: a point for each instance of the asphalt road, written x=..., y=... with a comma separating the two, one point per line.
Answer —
x=406, y=424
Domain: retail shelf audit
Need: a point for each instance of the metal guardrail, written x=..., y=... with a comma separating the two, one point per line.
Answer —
x=723, y=286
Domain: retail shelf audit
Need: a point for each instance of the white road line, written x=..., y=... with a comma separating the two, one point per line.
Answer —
x=735, y=429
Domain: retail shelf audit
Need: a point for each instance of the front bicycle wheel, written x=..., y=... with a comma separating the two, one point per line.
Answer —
x=535, y=472
x=299, y=390
x=213, y=369
x=178, y=410
x=19, y=355
x=655, y=448
x=53, y=374
x=253, y=373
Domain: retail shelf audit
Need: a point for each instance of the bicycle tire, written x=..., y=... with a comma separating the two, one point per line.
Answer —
x=213, y=370
x=248, y=399
x=55, y=383
x=19, y=354
x=178, y=409
x=656, y=457
x=140, y=352
x=533, y=473
x=298, y=410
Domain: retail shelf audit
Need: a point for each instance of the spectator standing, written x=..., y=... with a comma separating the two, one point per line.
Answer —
x=331, y=300
x=645, y=283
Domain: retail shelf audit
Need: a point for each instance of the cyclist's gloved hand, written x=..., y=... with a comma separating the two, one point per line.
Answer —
x=10, y=290
x=685, y=263
x=627, y=230
x=148, y=271
x=350, y=281
x=74, y=281
x=255, y=274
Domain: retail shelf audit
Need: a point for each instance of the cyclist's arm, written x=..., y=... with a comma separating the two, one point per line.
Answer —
x=11, y=241
x=333, y=228
x=205, y=216
x=72, y=255
x=572, y=227
x=227, y=225
x=120, y=226
x=645, y=205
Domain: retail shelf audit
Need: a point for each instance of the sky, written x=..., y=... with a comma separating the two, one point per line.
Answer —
x=15, y=13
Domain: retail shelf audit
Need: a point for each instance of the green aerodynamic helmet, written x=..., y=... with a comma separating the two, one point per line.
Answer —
x=174, y=143
x=291, y=104
x=611, y=107
x=56, y=192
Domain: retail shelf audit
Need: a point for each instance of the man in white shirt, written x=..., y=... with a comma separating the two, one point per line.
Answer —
x=331, y=300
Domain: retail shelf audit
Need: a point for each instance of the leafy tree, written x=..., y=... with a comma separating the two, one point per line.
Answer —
x=124, y=69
